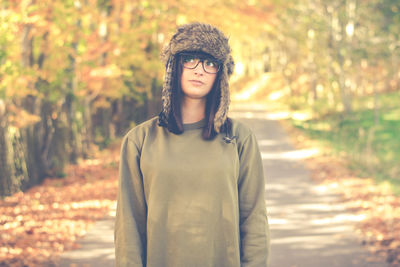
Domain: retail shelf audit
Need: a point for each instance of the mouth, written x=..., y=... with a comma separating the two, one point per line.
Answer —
x=196, y=82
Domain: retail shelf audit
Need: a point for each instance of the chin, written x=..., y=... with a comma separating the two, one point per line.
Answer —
x=196, y=97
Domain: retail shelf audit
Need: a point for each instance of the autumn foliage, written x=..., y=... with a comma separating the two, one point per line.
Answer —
x=75, y=75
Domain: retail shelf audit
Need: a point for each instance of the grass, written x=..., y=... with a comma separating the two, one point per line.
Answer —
x=371, y=142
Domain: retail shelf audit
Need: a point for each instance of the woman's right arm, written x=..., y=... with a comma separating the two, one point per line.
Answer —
x=131, y=216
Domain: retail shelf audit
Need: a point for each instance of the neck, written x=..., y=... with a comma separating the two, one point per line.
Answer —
x=193, y=110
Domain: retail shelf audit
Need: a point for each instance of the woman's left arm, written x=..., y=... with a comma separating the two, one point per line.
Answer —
x=254, y=230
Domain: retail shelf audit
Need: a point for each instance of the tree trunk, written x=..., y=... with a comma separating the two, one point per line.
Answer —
x=5, y=164
x=87, y=129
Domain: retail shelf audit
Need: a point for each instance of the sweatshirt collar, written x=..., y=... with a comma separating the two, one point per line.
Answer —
x=195, y=125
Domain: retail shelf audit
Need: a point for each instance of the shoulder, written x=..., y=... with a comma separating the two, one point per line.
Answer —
x=246, y=139
x=240, y=129
x=138, y=133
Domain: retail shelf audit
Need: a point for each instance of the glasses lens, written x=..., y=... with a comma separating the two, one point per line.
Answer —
x=210, y=66
x=190, y=62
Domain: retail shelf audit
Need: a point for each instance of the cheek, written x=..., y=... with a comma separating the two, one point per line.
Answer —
x=211, y=81
x=183, y=75
x=183, y=78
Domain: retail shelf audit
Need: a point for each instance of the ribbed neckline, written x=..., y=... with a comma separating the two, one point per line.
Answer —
x=195, y=125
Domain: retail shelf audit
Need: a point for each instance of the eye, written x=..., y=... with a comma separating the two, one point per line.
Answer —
x=211, y=63
x=189, y=59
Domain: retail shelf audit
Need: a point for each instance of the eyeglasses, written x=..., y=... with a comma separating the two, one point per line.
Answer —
x=190, y=61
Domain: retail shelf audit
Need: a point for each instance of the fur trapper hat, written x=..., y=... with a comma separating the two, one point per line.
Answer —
x=208, y=39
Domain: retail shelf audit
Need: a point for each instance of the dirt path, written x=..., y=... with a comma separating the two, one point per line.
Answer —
x=309, y=226
x=96, y=248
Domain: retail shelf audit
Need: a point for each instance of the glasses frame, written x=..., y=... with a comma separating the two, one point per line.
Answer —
x=201, y=58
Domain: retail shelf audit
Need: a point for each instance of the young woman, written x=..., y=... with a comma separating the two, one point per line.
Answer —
x=191, y=186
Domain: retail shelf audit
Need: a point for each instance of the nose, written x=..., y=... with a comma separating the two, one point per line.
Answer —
x=199, y=68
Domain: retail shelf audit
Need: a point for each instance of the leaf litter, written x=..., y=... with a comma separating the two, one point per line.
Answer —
x=36, y=226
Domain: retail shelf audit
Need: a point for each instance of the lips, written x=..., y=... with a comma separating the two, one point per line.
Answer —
x=196, y=82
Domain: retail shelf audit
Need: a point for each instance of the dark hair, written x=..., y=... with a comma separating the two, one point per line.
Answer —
x=175, y=124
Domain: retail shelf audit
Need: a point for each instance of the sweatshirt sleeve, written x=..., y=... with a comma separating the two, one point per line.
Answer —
x=131, y=215
x=254, y=230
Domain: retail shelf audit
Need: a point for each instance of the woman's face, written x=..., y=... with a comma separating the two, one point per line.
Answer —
x=196, y=83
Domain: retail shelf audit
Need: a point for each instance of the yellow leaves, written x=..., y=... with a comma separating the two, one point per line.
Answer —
x=9, y=24
x=18, y=85
x=109, y=71
x=37, y=20
x=15, y=80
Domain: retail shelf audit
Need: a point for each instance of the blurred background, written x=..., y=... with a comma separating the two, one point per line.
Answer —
x=77, y=74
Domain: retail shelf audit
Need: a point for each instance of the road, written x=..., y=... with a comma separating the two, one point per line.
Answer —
x=309, y=226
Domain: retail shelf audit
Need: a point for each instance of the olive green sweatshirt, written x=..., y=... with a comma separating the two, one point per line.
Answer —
x=188, y=202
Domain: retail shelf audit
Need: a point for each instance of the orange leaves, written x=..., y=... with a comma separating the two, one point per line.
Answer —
x=39, y=224
x=96, y=46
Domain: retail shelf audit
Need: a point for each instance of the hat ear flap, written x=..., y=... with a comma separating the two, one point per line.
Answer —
x=230, y=65
x=165, y=54
x=167, y=88
x=221, y=114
